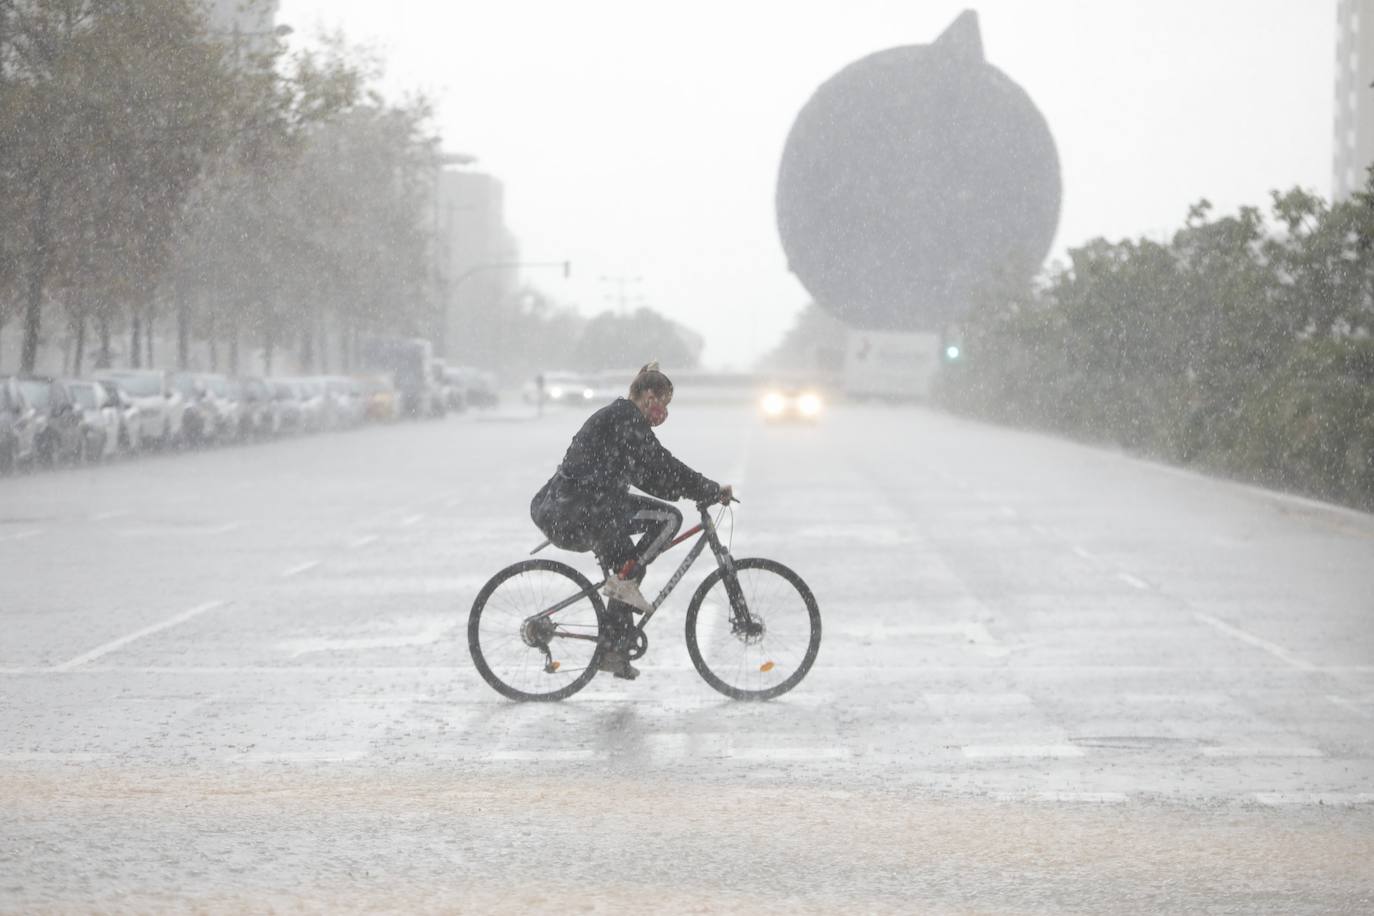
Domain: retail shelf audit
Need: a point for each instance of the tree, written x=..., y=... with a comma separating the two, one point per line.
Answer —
x=612, y=341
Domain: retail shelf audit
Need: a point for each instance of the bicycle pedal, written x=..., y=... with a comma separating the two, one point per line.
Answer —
x=766, y=667
x=551, y=667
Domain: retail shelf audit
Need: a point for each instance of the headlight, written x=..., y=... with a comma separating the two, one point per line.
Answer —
x=587, y=394
x=556, y=391
x=774, y=404
x=809, y=405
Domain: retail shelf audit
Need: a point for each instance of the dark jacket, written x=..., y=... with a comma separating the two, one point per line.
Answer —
x=616, y=449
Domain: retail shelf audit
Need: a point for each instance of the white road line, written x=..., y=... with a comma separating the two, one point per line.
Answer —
x=1349, y=706
x=1071, y=798
x=21, y=535
x=297, y=570
x=106, y=516
x=1231, y=751
x=1002, y=751
x=542, y=755
x=1133, y=581
x=1250, y=639
x=795, y=754
x=1007, y=511
x=1084, y=553
x=53, y=756
x=122, y=641
x=297, y=757
x=175, y=531
x=1336, y=799
x=1042, y=530
x=363, y=541
x=411, y=520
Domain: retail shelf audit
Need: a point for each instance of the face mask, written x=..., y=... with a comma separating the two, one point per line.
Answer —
x=656, y=414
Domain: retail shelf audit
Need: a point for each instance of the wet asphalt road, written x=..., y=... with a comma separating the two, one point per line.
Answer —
x=1053, y=679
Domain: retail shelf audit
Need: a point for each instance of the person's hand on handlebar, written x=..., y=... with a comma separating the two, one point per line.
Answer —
x=727, y=495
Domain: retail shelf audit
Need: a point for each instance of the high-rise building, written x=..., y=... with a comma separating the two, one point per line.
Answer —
x=1353, y=146
x=249, y=17
x=476, y=284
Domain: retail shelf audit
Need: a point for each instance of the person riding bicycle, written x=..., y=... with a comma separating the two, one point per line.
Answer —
x=586, y=504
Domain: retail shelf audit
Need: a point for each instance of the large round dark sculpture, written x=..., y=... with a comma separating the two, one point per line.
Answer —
x=914, y=180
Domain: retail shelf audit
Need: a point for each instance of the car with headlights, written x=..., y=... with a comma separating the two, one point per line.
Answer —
x=18, y=426
x=161, y=406
x=58, y=438
x=100, y=420
x=566, y=388
x=781, y=404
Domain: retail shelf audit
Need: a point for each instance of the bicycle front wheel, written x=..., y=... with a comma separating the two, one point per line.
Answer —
x=525, y=649
x=765, y=653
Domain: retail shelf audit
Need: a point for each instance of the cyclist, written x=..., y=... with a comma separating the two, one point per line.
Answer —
x=586, y=504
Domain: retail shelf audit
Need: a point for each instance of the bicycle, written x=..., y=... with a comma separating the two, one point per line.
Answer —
x=753, y=627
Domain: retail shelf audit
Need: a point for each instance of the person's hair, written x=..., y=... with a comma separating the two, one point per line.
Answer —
x=650, y=379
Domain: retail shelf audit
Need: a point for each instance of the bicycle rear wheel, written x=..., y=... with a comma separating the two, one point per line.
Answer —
x=769, y=653
x=508, y=636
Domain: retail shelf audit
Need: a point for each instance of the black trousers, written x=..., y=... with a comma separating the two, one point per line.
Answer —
x=616, y=527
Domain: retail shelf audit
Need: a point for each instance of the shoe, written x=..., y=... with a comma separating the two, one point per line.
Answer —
x=617, y=664
x=626, y=590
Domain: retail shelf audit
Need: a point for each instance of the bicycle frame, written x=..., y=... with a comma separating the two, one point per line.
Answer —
x=709, y=537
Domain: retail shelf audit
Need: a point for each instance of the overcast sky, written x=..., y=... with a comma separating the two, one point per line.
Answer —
x=641, y=139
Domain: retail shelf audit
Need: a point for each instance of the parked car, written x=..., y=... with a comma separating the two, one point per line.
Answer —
x=58, y=439
x=478, y=387
x=100, y=420
x=161, y=406
x=316, y=411
x=345, y=400
x=130, y=438
x=223, y=400
x=199, y=420
x=381, y=401
x=260, y=414
x=18, y=427
x=287, y=404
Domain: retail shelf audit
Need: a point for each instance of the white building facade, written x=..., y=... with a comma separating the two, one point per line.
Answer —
x=1353, y=143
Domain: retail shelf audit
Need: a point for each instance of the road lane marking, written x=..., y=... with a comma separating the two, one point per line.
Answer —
x=297, y=570
x=296, y=757
x=106, y=516
x=21, y=535
x=411, y=520
x=1071, y=798
x=1231, y=751
x=1349, y=706
x=1003, y=751
x=543, y=755
x=429, y=633
x=1335, y=799
x=1133, y=581
x=793, y=754
x=179, y=531
x=1085, y=554
x=363, y=541
x=1277, y=651
x=123, y=641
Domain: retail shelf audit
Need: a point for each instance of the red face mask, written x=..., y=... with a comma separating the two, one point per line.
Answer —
x=656, y=414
